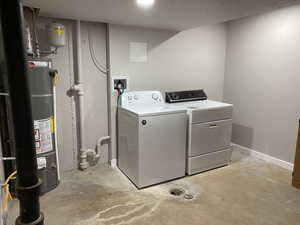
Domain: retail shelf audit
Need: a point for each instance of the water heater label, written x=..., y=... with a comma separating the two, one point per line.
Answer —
x=33, y=64
x=41, y=162
x=43, y=136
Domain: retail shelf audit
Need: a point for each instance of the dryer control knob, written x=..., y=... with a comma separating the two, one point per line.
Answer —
x=136, y=97
x=129, y=97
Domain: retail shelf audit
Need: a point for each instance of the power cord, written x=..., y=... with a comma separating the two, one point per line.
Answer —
x=6, y=197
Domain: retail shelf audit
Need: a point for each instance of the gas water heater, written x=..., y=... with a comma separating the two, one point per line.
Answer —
x=41, y=81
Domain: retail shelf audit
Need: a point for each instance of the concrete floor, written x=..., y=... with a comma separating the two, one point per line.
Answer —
x=246, y=192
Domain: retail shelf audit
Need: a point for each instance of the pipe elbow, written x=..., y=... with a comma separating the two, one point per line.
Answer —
x=78, y=88
x=99, y=144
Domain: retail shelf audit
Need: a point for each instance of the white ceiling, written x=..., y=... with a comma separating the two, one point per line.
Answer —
x=167, y=14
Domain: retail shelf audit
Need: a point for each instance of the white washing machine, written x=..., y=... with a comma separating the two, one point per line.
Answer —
x=151, y=139
x=209, y=129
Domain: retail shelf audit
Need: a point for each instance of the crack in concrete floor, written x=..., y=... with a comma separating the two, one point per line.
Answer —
x=134, y=211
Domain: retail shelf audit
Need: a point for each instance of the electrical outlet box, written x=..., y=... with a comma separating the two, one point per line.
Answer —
x=120, y=80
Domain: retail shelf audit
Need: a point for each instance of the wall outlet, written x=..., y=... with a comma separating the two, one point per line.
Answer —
x=120, y=81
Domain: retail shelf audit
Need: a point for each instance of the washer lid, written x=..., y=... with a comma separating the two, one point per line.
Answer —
x=152, y=110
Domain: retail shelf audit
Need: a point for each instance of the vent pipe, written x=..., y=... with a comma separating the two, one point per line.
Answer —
x=28, y=185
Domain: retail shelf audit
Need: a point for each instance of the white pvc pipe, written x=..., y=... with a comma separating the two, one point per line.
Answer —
x=79, y=83
x=79, y=88
x=55, y=132
x=78, y=46
x=109, y=98
x=99, y=144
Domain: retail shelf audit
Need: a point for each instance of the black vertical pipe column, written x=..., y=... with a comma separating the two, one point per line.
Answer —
x=12, y=20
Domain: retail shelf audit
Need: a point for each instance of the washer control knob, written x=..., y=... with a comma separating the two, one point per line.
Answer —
x=155, y=96
x=144, y=122
x=129, y=97
x=136, y=97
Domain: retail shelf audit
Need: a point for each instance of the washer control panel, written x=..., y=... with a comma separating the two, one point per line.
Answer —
x=142, y=98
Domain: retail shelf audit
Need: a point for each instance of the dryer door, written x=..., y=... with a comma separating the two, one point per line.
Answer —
x=162, y=148
x=210, y=137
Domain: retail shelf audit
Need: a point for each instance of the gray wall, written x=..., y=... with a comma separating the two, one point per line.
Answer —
x=262, y=81
x=95, y=84
x=190, y=59
x=95, y=90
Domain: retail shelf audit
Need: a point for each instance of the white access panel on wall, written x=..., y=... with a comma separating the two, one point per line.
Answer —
x=138, y=52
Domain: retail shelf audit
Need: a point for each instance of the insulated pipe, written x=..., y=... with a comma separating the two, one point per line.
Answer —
x=12, y=23
x=35, y=12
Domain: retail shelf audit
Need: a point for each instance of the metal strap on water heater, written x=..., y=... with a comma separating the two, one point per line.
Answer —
x=7, y=158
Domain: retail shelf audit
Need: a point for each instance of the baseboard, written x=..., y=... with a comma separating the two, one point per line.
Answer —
x=113, y=163
x=262, y=156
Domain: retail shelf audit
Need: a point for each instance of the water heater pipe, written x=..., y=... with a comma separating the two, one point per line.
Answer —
x=35, y=12
x=55, y=133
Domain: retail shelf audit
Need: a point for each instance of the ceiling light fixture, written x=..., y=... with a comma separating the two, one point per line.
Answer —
x=145, y=3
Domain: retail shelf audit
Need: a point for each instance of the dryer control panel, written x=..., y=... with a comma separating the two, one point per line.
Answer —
x=185, y=96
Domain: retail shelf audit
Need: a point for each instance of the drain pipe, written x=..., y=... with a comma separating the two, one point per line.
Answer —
x=100, y=142
x=109, y=98
x=79, y=88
